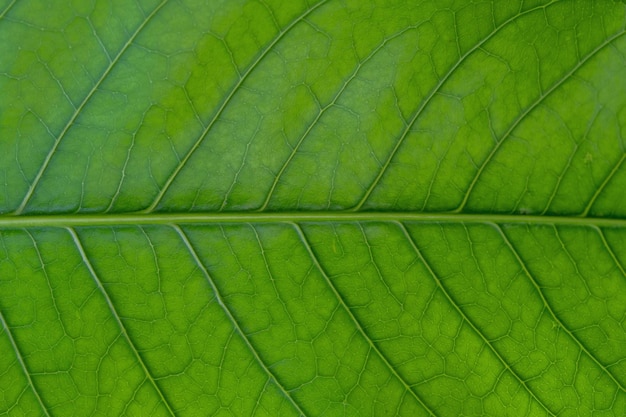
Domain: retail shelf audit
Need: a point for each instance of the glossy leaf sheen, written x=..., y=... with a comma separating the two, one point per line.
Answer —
x=275, y=208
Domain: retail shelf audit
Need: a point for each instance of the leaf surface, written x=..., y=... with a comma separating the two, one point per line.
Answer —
x=312, y=208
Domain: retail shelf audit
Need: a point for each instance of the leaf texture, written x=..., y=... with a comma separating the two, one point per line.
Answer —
x=269, y=208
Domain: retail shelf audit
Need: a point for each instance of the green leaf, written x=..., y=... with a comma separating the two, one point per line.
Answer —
x=314, y=207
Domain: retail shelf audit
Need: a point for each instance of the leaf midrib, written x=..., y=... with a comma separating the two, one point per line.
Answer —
x=122, y=219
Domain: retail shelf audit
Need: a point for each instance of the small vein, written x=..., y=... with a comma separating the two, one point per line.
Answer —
x=573, y=153
x=371, y=343
x=269, y=272
x=44, y=270
x=466, y=318
x=257, y=403
x=375, y=264
x=123, y=174
x=571, y=260
x=70, y=123
x=20, y=359
x=241, y=165
x=271, y=13
x=98, y=38
x=117, y=318
x=526, y=112
x=7, y=9
x=56, y=80
x=223, y=106
x=129, y=151
x=549, y=308
x=231, y=318
x=602, y=186
x=427, y=101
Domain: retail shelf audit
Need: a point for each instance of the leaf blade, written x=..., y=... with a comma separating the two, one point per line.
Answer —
x=348, y=208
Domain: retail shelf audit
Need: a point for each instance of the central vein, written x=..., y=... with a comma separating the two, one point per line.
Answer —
x=64, y=220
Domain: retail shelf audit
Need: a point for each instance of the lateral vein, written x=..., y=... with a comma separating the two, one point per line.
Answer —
x=20, y=359
x=356, y=322
x=109, y=302
x=233, y=321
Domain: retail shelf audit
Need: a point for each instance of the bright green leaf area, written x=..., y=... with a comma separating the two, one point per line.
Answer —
x=312, y=208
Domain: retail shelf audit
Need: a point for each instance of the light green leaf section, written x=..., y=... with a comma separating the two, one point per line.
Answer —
x=307, y=208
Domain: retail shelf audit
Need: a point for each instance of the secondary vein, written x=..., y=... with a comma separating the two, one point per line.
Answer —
x=116, y=316
x=20, y=359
